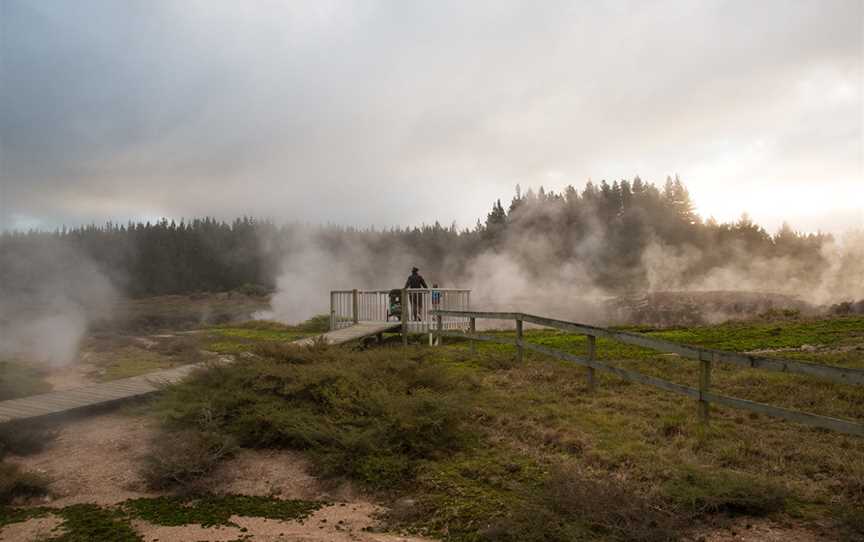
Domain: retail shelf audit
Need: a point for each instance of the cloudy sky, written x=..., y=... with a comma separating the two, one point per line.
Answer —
x=405, y=112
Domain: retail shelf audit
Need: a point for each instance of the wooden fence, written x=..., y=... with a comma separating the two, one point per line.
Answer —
x=705, y=356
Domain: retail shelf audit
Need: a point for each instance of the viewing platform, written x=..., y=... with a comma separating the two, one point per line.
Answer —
x=411, y=308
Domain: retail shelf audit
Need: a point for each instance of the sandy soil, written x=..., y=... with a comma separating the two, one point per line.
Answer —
x=30, y=531
x=759, y=530
x=95, y=459
x=346, y=522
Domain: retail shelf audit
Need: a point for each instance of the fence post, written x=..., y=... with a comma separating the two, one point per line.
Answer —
x=404, y=317
x=704, y=385
x=519, y=348
x=472, y=328
x=439, y=327
x=592, y=355
x=355, y=305
x=332, y=311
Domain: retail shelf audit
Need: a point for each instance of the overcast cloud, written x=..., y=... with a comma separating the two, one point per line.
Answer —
x=405, y=112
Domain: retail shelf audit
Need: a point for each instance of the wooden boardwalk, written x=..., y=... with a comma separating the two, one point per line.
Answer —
x=59, y=402
x=352, y=333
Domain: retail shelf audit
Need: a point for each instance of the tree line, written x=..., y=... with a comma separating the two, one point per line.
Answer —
x=604, y=233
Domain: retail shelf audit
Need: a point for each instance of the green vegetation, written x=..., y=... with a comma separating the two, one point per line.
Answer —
x=246, y=336
x=488, y=449
x=472, y=446
x=216, y=509
x=375, y=421
x=88, y=522
x=20, y=380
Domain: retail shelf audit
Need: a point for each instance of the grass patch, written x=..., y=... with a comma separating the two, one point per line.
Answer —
x=217, y=509
x=19, y=379
x=239, y=338
x=89, y=522
x=131, y=361
x=704, y=492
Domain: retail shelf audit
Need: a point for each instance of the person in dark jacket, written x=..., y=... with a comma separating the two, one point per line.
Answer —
x=416, y=281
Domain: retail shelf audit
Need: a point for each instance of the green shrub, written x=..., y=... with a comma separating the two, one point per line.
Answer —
x=15, y=483
x=725, y=491
x=369, y=415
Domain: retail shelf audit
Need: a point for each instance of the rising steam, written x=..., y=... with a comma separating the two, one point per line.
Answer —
x=48, y=296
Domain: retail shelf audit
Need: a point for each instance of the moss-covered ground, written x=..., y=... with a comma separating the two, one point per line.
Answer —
x=90, y=523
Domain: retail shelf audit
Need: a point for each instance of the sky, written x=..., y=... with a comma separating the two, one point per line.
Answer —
x=404, y=112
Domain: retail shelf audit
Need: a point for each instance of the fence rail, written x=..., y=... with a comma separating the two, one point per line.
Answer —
x=705, y=357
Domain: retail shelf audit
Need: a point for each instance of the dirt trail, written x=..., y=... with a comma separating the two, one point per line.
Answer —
x=95, y=459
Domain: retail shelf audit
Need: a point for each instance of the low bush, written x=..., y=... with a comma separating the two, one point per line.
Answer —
x=16, y=483
x=572, y=506
x=371, y=416
x=21, y=438
x=180, y=459
x=724, y=491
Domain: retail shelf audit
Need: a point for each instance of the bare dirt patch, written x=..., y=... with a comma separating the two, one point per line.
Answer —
x=342, y=522
x=31, y=530
x=272, y=473
x=94, y=459
x=759, y=530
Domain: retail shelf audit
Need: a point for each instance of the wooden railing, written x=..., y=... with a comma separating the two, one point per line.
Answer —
x=705, y=356
x=348, y=307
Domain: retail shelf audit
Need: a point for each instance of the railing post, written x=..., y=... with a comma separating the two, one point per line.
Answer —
x=704, y=385
x=404, y=317
x=332, y=311
x=592, y=355
x=472, y=328
x=355, y=305
x=439, y=327
x=519, y=348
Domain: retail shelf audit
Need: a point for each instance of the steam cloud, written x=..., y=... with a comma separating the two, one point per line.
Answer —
x=525, y=272
x=49, y=294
